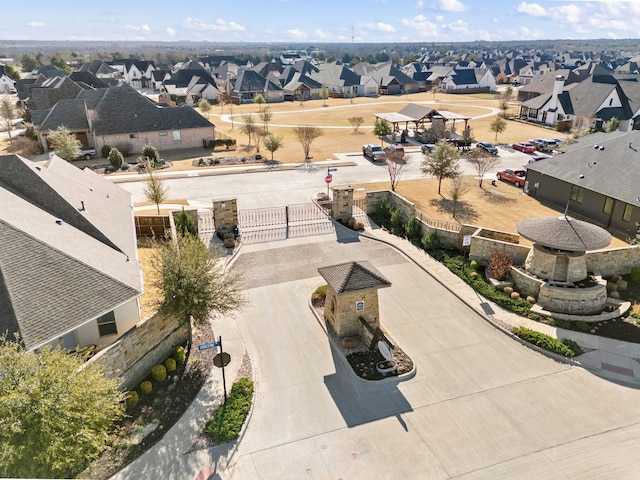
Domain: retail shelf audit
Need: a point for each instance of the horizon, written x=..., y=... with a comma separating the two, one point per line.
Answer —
x=356, y=22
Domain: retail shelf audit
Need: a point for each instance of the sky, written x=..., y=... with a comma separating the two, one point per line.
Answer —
x=320, y=21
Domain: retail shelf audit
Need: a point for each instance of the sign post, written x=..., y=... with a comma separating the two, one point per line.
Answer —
x=221, y=360
x=329, y=177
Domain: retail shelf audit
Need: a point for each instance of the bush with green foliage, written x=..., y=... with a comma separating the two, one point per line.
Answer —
x=179, y=354
x=319, y=293
x=115, y=158
x=228, y=143
x=150, y=152
x=132, y=398
x=228, y=419
x=382, y=212
x=170, y=365
x=635, y=274
x=474, y=265
x=159, y=373
x=104, y=151
x=431, y=241
x=412, y=230
x=185, y=224
x=565, y=347
x=397, y=222
x=146, y=387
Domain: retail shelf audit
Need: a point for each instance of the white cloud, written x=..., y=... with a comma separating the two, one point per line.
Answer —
x=420, y=4
x=170, y=31
x=218, y=26
x=458, y=26
x=138, y=28
x=419, y=23
x=36, y=24
x=569, y=13
x=378, y=27
x=532, y=9
x=320, y=35
x=297, y=33
x=439, y=18
x=452, y=6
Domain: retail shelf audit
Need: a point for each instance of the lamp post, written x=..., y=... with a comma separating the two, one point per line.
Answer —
x=229, y=99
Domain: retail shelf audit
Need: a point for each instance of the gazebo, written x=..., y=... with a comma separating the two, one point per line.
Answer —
x=558, y=259
x=418, y=115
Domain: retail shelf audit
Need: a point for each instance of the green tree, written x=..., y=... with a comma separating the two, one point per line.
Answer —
x=324, y=94
x=64, y=143
x=266, y=116
x=306, y=134
x=259, y=100
x=7, y=113
x=185, y=224
x=115, y=158
x=193, y=281
x=28, y=63
x=154, y=189
x=498, y=125
x=272, y=143
x=381, y=129
x=614, y=123
x=150, y=153
x=442, y=163
x=55, y=412
x=13, y=72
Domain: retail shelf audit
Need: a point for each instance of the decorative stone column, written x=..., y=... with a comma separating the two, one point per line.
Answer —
x=225, y=213
x=342, y=204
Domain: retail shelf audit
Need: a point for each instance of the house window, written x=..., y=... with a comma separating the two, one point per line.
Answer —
x=628, y=210
x=176, y=135
x=608, y=206
x=107, y=325
x=577, y=193
x=133, y=135
x=163, y=133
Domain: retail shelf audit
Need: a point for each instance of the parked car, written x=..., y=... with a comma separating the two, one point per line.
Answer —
x=87, y=153
x=514, y=176
x=544, y=144
x=394, y=151
x=374, y=152
x=538, y=157
x=489, y=147
x=524, y=147
x=428, y=148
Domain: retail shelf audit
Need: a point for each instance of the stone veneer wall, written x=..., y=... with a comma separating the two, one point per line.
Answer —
x=575, y=301
x=548, y=264
x=525, y=284
x=225, y=213
x=150, y=342
x=483, y=246
x=342, y=204
x=618, y=261
x=189, y=138
x=340, y=312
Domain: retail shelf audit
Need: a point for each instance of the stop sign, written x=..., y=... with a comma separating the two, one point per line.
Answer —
x=328, y=178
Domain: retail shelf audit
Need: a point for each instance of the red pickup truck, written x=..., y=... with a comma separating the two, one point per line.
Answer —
x=514, y=176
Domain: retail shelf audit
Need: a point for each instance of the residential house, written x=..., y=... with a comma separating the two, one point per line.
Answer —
x=392, y=80
x=248, y=84
x=69, y=271
x=300, y=87
x=468, y=80
x=120, y=116
x=101, y=70
x=7, y=85
x=136, y=73
x=189, y=86
x=592, y=179
x=343, y=82
x=158, y=77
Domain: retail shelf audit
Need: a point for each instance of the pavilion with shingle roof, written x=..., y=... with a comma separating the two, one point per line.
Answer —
x=352, y=295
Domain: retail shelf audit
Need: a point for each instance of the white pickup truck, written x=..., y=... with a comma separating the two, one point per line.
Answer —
x=375, y=152
x=87, y=153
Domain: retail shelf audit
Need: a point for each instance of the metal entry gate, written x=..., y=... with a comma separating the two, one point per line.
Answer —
x=288, y=221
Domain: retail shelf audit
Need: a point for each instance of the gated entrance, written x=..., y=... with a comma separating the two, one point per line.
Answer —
x=288, y=221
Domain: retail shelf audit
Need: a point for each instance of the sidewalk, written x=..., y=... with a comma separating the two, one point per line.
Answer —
x=608, y=358
x=168, y=459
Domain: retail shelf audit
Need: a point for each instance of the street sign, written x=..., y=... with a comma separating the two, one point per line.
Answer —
x=332, y=169
x=221, y=359
x=328, y=178
x=466, y=240
x=207, y=346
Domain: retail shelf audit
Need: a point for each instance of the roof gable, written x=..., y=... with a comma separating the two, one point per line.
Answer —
x=353, y=276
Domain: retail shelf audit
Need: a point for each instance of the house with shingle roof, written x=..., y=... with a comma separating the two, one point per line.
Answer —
x=121, y=116
x=465, y=80
x=136, y=73
x=190, y=85
x=69, y=271
x=593, y=179
x=352, y=298
x=248, y=84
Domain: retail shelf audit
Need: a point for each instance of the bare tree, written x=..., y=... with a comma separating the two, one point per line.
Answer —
x=205, y=106
x=306, y=135
x=154, y=189
x=482, y=161
x=355, y=122
x=395, y=167
x=7, y=112
x=498, y=125
x=266, y=116
x=272, y=143
x=459, y=187
x=249, y=126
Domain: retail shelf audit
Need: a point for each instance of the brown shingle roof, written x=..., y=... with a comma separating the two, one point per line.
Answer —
x=353, y=276
x=564, y=233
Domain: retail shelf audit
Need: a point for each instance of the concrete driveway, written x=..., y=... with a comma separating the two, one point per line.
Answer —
x=481, y=405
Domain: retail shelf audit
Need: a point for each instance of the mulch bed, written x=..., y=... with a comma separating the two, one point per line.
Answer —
x=164, y=406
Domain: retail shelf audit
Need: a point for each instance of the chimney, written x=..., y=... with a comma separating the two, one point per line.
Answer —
x=558, y=86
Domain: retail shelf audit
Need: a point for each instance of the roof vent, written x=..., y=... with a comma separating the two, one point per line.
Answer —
x=40, y=168
x=596, y=146
x=601, y=147
x=58, y=221
x=82, y=209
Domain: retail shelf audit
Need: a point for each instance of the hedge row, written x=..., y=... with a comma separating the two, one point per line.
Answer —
x=563, y=346
x=228, y=419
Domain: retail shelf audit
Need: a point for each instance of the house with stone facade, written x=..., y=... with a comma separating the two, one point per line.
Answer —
x=69, y=270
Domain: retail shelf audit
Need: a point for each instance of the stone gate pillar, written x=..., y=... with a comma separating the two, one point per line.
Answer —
x=225, y=213
x=342, y=204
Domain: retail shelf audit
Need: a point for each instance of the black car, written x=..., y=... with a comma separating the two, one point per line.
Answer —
x=489, y=147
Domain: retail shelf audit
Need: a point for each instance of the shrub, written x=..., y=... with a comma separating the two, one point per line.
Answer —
x=382, y=213
x=474, y=265
x=132, y=398
x=473, y=275
x=397, y=222
x=622, y=285
x=431, y=241
x=614, y=294
x=170, y=364
x=499, y=264
x=412, y=230
x=612, y=287
x=635, y=274
x=228, y=419
x=179, y=355
x=146, y=387
x=185, y=224
x=104, y=151
x=514, y=295
x=115, y=158
x=358, y=226
x=565, y=347
x=124, y=166
x=151, y=152
x=159, y=373
x=507, y=290
x=320, y=293
x=531, y=299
